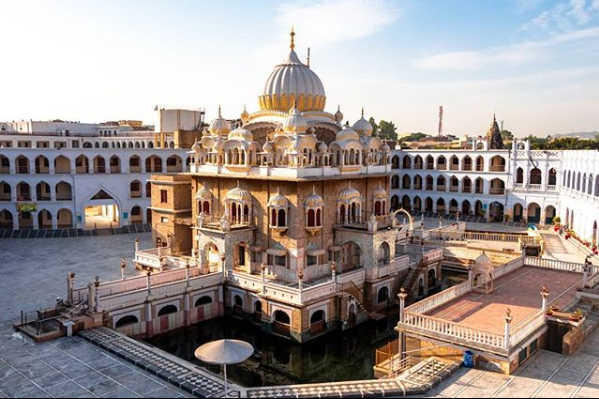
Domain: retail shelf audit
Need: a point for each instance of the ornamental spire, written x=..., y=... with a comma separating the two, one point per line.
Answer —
x=292, y=34
x=219, y=114
x=362, y=112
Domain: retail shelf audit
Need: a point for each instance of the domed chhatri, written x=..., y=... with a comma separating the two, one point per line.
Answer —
x=346, y=134
x=278, y=200
x=240, y=133
x=220, y=126
x=239, y=194
x=196, y=147
x=362, y=126
x=295, y=122
x=290, y=81
x=380, y=192
x=203, y=194
x=349, y=193
x=314, y=200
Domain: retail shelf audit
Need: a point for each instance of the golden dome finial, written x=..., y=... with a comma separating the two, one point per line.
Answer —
x=219, y=114
x=292, y=34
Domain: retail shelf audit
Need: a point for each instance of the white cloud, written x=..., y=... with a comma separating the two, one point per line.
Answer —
x=513, y=55
x=331, y=21
x=565, y=15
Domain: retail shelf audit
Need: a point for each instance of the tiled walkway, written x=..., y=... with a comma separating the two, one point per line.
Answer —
x=547, y=375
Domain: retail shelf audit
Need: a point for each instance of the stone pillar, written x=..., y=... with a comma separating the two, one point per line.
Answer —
x=136, y=246
x=470, y=274
x=35, y=220
x=98, y=307
x=402, y=317
x=70, y=288
x=508, y=322
x=123, y=267
x=148, y=306
x=544, y=296
x=300, y=278
x=91, y=297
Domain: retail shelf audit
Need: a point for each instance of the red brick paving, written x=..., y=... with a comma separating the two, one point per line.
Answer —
x=519, y=291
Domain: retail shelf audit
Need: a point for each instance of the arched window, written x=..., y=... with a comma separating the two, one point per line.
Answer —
x=536, y=176
x=126, y=321
x=205, y=300
x=383, y=295
x=407, y=162
x=519, y=176
x=168, y=309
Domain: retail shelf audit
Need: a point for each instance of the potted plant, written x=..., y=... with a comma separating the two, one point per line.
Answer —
x=587, y=244
x=554, y=308
x=595, y=252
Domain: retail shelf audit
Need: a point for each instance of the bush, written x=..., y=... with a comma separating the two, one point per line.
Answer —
x=557, y=220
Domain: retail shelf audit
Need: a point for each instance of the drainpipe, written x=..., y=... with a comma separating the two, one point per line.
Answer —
x=544, y=295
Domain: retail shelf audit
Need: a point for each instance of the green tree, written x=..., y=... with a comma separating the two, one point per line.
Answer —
x=375, y=127
x=507, y=135
x=388, y=130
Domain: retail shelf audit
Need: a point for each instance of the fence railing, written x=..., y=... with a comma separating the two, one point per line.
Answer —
x=440, y=299
x=559, y=265
x=526, y=327
x=451, y=330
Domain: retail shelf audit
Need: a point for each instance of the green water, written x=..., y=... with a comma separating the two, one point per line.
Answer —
x=339, y=356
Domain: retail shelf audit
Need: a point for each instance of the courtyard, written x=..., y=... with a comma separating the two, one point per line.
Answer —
x=34, y=274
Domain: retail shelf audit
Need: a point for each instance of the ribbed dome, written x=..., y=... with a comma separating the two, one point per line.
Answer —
x=290, y=81
x=241, y=134
x=380, y=193
x=322, y=147
x=220, y=126
x=314, y=200
x=278, y=201
x=385, y=147
x=204, y=194
x=349, y=193
x=239, y=194
x=245, y=115
x=347, y=134
x=362, y=126
x=295, y=122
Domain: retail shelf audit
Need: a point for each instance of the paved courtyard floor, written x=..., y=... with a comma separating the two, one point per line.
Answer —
x=32, y=274
x=546, y=375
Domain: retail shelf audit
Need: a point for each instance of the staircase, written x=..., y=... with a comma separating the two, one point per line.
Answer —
x=416, y=266
x=354, y=291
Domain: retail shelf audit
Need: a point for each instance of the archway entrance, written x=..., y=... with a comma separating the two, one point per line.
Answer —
x=496, y=212
x=102, y=212
x=534, y=213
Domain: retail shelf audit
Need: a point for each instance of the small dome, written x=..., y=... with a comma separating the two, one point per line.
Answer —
x=241, y=134
x=385, y=147
x=349, y=194
x=362, y=126
x=267, y=147
x=314, y=200
x=322, y=147
x=220, y=126
x=483, y=261
x=239, y=194
x=245, y=116
x=380, y=193
x=339, y=115
x=196, y=147
x=278, y=201
x=204, y=194
x=347, y=133
x=295, y=122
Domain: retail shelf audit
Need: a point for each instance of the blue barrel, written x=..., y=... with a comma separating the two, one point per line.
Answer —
x=468, y=359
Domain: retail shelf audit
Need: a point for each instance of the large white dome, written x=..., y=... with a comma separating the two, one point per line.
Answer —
x=292, y=80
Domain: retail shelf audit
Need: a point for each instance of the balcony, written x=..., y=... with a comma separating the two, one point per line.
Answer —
x=43, y=197
x=5, y=197
x=4, y=170
x=442, y=167
x=219, y=223
x=497, y=168
x=64, y=197
x=441, y=188
x=497, y=191
x=454, y=189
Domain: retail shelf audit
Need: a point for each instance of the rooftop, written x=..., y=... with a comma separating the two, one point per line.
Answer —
x=518, y=291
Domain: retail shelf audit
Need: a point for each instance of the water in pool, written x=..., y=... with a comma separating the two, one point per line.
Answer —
x=339, y=356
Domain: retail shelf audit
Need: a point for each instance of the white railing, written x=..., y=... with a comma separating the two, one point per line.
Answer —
x=440, y=299
x=535, y=187
x=452, y=331
x=526, y=327
x=559, y=265
x=509, y=267
x=473, y=236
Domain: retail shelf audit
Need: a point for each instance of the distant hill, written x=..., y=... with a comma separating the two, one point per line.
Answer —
x=579, y=135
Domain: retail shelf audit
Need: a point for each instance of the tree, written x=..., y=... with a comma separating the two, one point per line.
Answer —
x=507, y=135
x=375, y=127
x=388, y=131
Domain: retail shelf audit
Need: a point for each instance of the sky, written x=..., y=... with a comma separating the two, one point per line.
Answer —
x=535, y=63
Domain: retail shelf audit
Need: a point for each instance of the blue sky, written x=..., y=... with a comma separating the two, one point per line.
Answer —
x=533, y=62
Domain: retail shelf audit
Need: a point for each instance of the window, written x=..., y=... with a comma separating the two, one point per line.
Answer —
x=277, y=260
x=522, y=356
x=74, y=144
x=163, y=220
x=312, y=260
x=163, y=196
x=135, y=186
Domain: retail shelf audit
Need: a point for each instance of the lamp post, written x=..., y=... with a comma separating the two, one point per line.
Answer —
x=544, y=295
x=402, y=316
x=508, y=321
